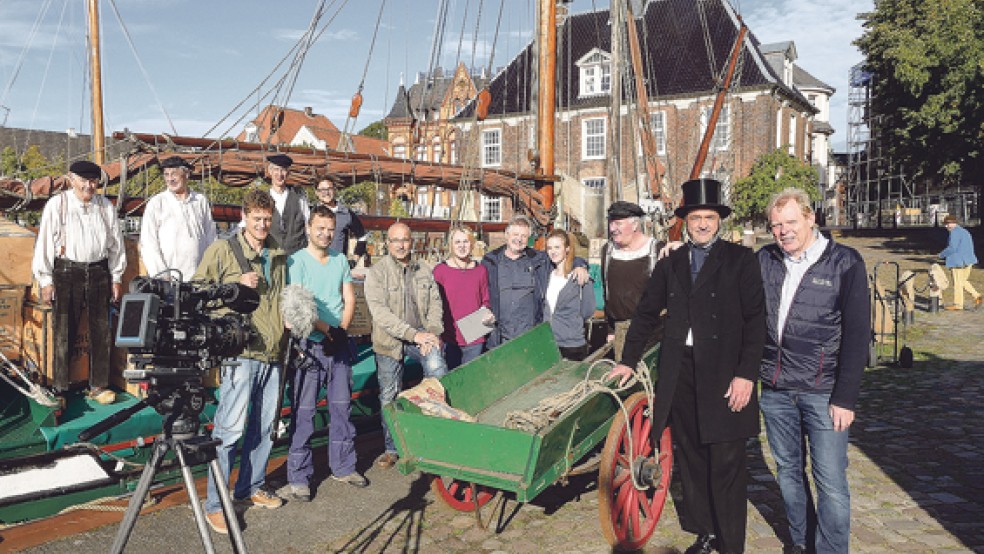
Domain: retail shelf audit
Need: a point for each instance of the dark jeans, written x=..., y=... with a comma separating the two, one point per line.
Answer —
x=457, y=355
x=575, y=353
x=79, y=286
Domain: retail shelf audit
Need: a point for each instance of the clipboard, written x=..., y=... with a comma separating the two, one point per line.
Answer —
x=471, y=325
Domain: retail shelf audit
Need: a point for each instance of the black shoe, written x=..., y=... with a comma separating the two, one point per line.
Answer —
x=703, y=545
x=794, y=549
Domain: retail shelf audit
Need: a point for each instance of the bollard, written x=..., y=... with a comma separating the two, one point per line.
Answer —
x=934, y=304
x=909, y=317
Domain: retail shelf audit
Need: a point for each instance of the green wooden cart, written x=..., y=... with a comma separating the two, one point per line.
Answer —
x=470, y=460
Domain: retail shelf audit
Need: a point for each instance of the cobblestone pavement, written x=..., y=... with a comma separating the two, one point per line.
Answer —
x=916, y=472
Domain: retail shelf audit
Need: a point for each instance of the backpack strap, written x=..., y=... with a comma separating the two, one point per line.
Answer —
x=237, y=251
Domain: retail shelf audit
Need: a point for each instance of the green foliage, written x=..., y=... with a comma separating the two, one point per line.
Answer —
x=397, y=209
x=928, y=102
x=363, y=191
x=375, y=130
x=31, y=165
x=771, y=173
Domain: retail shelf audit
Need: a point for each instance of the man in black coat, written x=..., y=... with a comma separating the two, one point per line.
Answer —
x=714, y=333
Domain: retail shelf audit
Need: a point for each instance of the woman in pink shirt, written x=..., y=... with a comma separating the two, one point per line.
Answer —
x=464, y=287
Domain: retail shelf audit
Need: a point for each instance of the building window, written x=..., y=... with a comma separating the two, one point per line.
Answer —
x=421, y=153
x=437, y=151
x=593, y=138
x=453, y=154
x=595, y=73
x=658, y=124
x=400, y=151
x=492, y=148
x=792, y=135
x=595, y=184
x=491, y=208
x=722, y=131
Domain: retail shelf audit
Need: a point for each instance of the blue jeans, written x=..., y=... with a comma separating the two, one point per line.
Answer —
x=789, y=416
x=247, y=400
x=389, y=371
x=457, y=355
x=317, y=370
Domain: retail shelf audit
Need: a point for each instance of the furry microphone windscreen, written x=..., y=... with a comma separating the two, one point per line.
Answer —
x=299, y=310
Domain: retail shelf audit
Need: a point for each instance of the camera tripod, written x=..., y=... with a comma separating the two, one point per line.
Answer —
x=181, y=406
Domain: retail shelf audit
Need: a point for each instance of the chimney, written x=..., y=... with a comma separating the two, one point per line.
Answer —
x=309, y=111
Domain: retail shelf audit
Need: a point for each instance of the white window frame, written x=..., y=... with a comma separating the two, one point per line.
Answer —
x=491, y=209
x=593, y=146
x=400, y=151
x=491, y=147
x=436, y=151
x=421, y=154
x=453, y=154
x=658, y=124
x=596, y=184
x=594, y=73
x=722, y=131
x=791, y=133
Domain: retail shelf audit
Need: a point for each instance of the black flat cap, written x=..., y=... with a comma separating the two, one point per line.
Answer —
x=622, y=210
x=86, y=169
x=282, y=160
x=175, y=161
x=702, y=194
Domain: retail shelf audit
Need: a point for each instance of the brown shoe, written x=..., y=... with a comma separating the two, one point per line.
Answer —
x=977, y=302
x=102, y=396
x=387, y=460
x=265, y=499
x=217, y=522
x=953, y=308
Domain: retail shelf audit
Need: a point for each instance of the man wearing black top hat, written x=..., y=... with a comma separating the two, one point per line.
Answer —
x=290, y=217
x=628, y=259
x=712, y=346
x=78, y=262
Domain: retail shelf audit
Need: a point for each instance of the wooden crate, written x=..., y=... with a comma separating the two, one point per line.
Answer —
x=16, y=252
x=38, y=344
x=11, y=322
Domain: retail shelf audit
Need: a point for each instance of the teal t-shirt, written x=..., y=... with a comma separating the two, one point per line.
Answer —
x=324, y=281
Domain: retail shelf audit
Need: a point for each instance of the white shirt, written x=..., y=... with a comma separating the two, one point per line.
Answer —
x=174, y=233
x=80, y=232
x=554, y=287
x=795, y=270
x=280, y=201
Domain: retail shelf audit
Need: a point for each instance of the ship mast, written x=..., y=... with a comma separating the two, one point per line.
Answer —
x=546, y=102
x=98, y=133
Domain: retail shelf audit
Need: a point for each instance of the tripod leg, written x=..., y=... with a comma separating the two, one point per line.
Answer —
x=161, y=447
x=232, y=521
x=196, y=507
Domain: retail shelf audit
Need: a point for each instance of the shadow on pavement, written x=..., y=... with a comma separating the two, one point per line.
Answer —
x=400, y=523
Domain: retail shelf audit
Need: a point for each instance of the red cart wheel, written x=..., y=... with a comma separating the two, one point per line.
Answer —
x=629, y=515
x=460, y=495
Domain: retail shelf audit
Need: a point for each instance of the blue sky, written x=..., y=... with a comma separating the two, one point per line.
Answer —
x=203, y=58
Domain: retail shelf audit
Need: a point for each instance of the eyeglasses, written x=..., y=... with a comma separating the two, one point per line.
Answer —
x=324, y=190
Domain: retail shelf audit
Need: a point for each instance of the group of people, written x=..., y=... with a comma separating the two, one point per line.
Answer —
x=793, y=317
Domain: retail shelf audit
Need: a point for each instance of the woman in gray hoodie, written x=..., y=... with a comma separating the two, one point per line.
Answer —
x=567, y=305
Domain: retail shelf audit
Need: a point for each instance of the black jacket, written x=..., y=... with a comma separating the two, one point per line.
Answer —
x=725, y=310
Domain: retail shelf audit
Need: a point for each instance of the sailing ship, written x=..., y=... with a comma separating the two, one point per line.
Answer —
x=42, y=441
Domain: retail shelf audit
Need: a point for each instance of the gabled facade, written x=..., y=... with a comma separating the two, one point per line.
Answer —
x=278, y=126
x=763, y=110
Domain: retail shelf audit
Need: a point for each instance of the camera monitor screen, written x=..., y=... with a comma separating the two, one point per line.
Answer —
x=138, y=321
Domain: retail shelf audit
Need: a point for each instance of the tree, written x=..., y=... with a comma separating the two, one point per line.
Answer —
x=31, y=165
x=771, y=173
x=927, y=104
x=363, y=192
x=375, y=130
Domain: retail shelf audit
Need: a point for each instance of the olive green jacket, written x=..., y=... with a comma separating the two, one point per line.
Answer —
x=219, y=265
x=384, y=290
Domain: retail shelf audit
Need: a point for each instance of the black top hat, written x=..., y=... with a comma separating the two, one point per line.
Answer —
x=702, y=194
x=175, y=161
x=622, y=210
x=282, y=160
x=86, y=169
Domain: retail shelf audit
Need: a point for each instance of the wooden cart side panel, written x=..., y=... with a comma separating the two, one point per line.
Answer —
x=497, y=373
x=500, y=455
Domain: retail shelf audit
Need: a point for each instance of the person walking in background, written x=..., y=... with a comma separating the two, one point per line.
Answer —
x=960, y=258
x=176, y=226
x=818, y=328
x=464, y=287
x=567, y=304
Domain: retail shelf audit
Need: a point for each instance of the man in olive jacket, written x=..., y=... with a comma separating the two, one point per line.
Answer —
x=407, y=319
x=712, y=346
x=251, y=383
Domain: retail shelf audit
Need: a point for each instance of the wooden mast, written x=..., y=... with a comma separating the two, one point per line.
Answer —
x=546, y=101
x=653, y=166
x=98, y=133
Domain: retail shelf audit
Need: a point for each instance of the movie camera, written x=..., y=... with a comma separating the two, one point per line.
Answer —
x=171, y=329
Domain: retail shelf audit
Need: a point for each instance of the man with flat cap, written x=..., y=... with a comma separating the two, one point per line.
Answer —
x=292, y=210
x=628, y=260
x=712, y=346
x=78, y=262
x=177, y=226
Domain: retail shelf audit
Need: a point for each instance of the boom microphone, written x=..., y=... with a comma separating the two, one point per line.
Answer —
x=299, y=310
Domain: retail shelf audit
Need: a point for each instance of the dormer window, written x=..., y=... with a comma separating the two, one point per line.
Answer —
x=595, y=70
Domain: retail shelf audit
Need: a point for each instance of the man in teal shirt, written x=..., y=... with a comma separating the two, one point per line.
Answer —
x=324, y=359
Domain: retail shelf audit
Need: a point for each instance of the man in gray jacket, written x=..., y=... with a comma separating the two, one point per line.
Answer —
x=406, y=321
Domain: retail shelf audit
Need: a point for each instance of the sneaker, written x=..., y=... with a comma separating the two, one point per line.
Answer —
x=978, y=301
x=300, y=492
x=266, y=499
x=355, y=479
x=387, y=460
x=217, y=522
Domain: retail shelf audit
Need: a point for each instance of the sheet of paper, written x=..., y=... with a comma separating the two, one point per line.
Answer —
x=471, y=325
